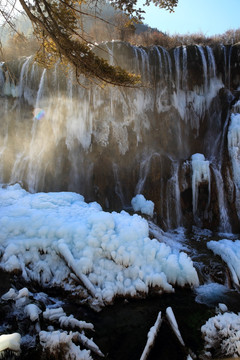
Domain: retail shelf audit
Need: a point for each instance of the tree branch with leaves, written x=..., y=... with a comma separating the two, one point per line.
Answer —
x=58, y=27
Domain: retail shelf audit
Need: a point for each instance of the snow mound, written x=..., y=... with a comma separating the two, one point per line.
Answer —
x=57, y=239
x=229, y=251
x=221, y=333
x=139, y=203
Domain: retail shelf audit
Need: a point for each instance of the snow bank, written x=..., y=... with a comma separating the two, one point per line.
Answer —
x=139, y=203
x=221, y=333
x=57, y=239
x=234, y=147
x=200, y=173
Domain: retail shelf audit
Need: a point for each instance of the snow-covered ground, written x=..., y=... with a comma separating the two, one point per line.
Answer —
x=57, y=239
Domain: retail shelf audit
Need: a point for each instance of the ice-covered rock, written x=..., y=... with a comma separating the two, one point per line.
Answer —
x=221, y=333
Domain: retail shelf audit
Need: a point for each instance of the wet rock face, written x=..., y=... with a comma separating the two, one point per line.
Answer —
x=111, y=144
x=235, y=66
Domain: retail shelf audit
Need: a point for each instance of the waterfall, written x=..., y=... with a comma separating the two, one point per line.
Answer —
x=118, y=186
x=24, y=77
x=211, y=62
x=229, y=67
x=144, y=63
x=200, y=174
x=184, y=67
x=174, y=213
x=222, y=205
x=204, y=64
x=40, y=90
x=111, y=144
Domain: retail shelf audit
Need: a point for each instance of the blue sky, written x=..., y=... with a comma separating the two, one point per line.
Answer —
x=209, y=17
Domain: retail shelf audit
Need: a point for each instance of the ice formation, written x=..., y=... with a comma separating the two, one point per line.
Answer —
x=173, y=322
x=151, y=336
x=58, y=339
x=57, y=239
x=32, y=311
x=234, y=147
x=11, y=342
x=222, y=333
x=200, y=173
x=55, y=342
x=139, y=203
x=230, y=253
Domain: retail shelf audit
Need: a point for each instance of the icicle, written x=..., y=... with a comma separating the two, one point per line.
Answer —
x=70, y=321
x=88, y=343
x=172, y=320
x=151, y=337
x=68, y=257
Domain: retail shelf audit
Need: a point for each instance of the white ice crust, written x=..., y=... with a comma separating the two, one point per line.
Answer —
x=50, y=236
